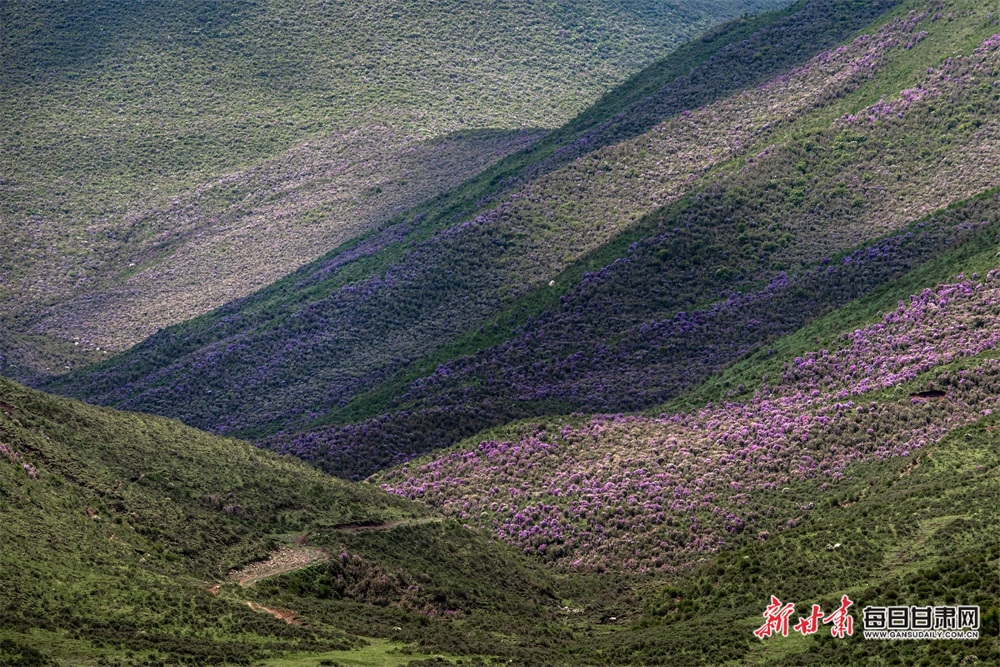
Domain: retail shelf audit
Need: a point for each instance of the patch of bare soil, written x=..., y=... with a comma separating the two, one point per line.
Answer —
x=281, y=561
x=280, y=614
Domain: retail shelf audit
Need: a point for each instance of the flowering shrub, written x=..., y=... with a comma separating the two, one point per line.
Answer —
x=15, y=457
x=678, y=281
x=641, y=492
x=578, y=358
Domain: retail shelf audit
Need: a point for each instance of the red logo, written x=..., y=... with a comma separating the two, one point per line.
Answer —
x=777, y=614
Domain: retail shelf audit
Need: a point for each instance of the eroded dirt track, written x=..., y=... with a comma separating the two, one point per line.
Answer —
x=281, y=561
x=291, y=558
x=280, y=614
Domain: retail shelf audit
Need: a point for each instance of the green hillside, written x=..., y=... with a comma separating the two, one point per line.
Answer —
x=917, y=529
x=118, y=526
x=163, y=158
x=119, y=531
x=587, y=397
x=351, y=337
x=914, y=531
x=913, y=524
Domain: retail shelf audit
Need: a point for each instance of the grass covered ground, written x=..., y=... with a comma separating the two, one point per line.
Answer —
x=811, y=329
x=415, y=285
x=154, y=147
x=908, y=526
x=718, y=220
x=915, y=529
x=120, y=531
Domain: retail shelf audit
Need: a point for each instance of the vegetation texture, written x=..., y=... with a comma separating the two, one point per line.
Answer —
x=358, y=335
x=163, y=158
x=121, y=531
x=730, y=333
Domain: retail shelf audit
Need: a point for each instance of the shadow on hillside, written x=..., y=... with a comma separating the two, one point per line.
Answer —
x=730, y=58
x=51, y=38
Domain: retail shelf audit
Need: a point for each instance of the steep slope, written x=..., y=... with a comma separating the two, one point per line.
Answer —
x=811, y=323
x=315, y=341
x=117, y=540
x=602, y=347
x=120, y=530
x=911, y=531
x=163, y=158
x=644, y=492
x=860, y=458
x=614, y=341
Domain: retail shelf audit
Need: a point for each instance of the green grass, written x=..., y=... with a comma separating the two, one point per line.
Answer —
x=111, y=550
x=271, y=308
x=921, y=532
x=109, y=554
x=905, y=69
x=120, y=151
x=915, y=530
x=976, y=256
x=903, y=523
x=190, y=91
x=378, y=653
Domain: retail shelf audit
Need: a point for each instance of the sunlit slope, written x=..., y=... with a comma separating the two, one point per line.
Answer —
x=335, y=329
x=629, y=329
x=893, y=385
x=901, y=473
x=856, y=456
x=162, y=158
x=917, y=530
x=120, y=530
x=716, y=205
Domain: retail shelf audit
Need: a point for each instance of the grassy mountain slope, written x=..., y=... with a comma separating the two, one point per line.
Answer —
x=619, y=491
x=859, y=458
x=915, y=530
x=811, y=326
x=300, y=338
x=541, y=373
x=119, y=532
x=129, y=587
x=154, y=147
x=796, y=206
x=602, y=346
